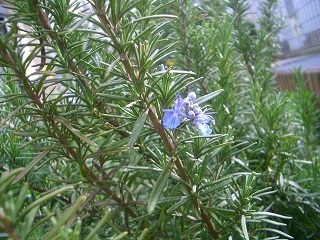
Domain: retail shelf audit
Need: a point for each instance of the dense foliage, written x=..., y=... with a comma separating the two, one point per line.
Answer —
x=87, y=154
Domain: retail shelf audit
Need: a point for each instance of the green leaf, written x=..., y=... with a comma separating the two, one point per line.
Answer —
x=21, y=198
x=271, y=214
x=192, y=139
x=7, y=178
x=273, y=222
x=77, y=24
x=31, y=165
x=161, y=6
x=208, y=97
x=274, y=231
x=47, y=73
x=116, y=146
x=316, y=194
x=151, y=17
x=138, y=126
x=65, y=217
x=43, y=199
x=12, y=114
x=76, y=132
x=38, y=224
x=183, y=201
x=191, y=230
x=244, y=227
x=100, y=224
x=121, y=235
x=159, y=187
x=29, y=222
x=225, y=212
x=144, y=234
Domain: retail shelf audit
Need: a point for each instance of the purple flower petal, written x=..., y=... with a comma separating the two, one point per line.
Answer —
x=171, y=118
x=187, y=110
x=201, y=118
x=204, y=129
x=178, y=104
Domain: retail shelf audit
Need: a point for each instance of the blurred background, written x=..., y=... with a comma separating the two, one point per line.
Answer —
x=299, y=41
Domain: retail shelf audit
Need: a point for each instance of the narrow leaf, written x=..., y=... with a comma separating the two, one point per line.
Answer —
x=12, y=114
x=117, y=145
x=55, y=230
x=225, y=212
x=144, y=234
x=159, y=187
x=7, y=178
x=100, y=224
x=31, y=165
x=178, y=204
x=77, y=24
x=38, y=224
x=43, y=199
x=192, y=230
x=76, y=132
x=316, y=194
x=244, y=227
x=208, y=97
x=21, y=198
x=47, y=73
x=271, y=214
x=121, y=235
x=29, y=220
x=151, y=17
x=274, y=231
x=273, y=222
x=138, y=126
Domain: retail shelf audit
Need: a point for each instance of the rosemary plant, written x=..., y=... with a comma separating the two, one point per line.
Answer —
x=143, y=119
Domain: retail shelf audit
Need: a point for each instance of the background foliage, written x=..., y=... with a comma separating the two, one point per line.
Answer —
x=84, y=154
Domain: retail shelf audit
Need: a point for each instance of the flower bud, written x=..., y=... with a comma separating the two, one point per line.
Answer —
x=192, y=96
x=188, y=105
x=191, y=114
x=197, y=110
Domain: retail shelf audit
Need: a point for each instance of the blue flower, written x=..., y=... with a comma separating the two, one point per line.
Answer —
x=172, y=117
x=204, y=129
x=201, y=122
x=201, y=118
x=187, y=110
